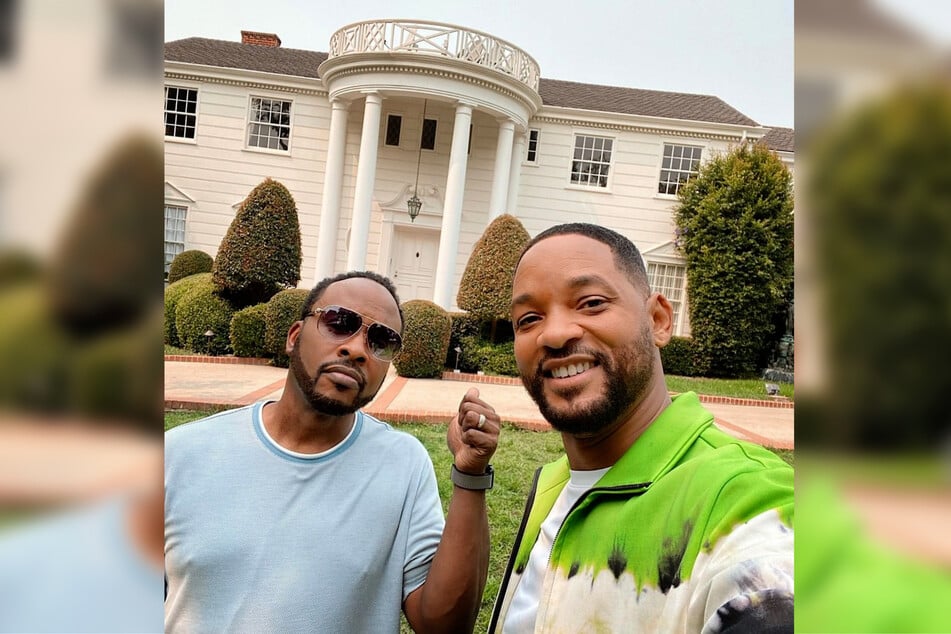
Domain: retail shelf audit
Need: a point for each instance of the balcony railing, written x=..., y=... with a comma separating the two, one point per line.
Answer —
x=419, y=37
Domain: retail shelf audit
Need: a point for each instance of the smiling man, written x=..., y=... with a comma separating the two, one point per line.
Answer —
x=654, y=520
x=308, y=515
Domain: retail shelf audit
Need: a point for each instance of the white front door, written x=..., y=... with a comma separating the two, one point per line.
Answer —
x=413, y=262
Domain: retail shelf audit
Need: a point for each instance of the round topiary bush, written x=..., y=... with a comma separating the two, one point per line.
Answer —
x=426, y=329
x=281, y=311
x=201, y=310
x=173, y=293
x=248, y=331
x=189, y=263
x=679, y=357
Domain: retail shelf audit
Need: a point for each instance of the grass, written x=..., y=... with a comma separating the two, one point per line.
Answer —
x=519, y=454
x=736, y=388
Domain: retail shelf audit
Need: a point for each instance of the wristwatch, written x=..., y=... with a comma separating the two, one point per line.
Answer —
x=473, y=482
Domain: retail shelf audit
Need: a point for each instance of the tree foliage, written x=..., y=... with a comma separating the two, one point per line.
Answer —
x=261, y=252
x=735, y=229
x=880, y=201
x=486, y=286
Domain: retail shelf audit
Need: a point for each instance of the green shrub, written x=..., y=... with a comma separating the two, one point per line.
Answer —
x=280, y=312
x=114, y=377
x=199, y=310
x=189, y=263
x=248, y=331
x=173, y=293
x=426, y=329
x=463, y=325
x=735, y=229
x=498, y=358
x=18, y=266
x=679, y=357
x=261, y=252
x=485, y=290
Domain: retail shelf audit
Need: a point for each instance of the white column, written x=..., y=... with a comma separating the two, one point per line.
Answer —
x=452, y=209
x=515, y=173
x=503, y=167
x=366, y=175
x=333, y=184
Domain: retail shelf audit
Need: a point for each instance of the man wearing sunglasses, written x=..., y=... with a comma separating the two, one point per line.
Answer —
x=308, y=515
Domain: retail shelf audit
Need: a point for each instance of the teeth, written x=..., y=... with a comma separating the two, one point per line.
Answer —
x=570, y=370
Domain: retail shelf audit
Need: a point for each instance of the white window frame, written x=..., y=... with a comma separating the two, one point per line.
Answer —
x=386, y=122
x=593, y=149
x=169, y=256
x=166, y=112
x=678, y=299
x=249, y=123
x=528, y=159
x=675, y=166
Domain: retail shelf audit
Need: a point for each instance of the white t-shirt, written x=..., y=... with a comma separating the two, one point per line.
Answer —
x=521, y=614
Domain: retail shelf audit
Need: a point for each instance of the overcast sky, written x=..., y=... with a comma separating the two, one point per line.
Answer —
x=738, y=50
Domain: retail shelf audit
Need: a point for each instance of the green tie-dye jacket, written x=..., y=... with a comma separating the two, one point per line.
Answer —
x=690, y=531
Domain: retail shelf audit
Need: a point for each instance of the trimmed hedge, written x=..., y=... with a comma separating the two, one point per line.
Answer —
x=496, y=358
x=485, y=290
x=199, y=310
x=189, y=263
x=174, y=293
x=248, y=330
x=463, y=325
x=426, y=329
x=280, y=312
x=679, y=357
x=261, y=252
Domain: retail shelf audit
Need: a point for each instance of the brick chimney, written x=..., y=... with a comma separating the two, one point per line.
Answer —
x=260, y=39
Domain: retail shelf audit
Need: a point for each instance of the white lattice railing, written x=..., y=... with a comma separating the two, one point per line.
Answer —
x=434, y=38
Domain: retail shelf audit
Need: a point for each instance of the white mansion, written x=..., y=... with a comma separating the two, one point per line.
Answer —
x=458, y=118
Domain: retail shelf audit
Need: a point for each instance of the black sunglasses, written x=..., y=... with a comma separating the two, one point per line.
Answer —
x=339, y=323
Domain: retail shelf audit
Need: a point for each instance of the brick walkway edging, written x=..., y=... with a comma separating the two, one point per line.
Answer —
x=704, y=398
x=480, y=378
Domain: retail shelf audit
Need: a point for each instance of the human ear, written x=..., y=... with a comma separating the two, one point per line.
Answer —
x=662, y=319
x=292, y=334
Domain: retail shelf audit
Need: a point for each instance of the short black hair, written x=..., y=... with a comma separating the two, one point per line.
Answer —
x=318, y=290
x=626, y=256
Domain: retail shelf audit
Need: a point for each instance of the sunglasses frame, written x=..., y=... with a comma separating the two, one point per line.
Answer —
x=365, y=324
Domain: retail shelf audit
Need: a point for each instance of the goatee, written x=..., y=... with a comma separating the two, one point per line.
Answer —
x=322, y=403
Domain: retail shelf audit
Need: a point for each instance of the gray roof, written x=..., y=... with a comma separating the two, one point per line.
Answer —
x=780, y=139
x=554, y=92
x=652, y=103
x=268, y=59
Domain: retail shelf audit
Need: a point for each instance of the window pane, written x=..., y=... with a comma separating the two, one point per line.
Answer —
x=428, y=140
x=394, y=125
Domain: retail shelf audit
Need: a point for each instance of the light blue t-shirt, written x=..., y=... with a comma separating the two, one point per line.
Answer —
x=78, y=571
x=259, y=539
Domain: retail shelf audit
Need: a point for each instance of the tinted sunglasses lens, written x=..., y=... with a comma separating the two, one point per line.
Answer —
x=384, y=342
x=340, y=322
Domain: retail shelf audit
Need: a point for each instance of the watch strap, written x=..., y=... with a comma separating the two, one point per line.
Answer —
x=480, y=482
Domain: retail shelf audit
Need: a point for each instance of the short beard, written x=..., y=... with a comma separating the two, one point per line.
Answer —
x=628, y=374
x=307, y=384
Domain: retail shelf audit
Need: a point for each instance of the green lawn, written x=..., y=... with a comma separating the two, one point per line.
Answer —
x=519, y=454
x=737, y=388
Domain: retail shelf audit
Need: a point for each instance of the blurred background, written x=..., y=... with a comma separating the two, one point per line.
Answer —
x=873, y=315
x=80, y=331
x=80, y=317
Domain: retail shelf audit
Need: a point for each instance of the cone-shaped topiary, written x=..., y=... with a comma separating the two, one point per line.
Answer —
x=486, y=287
x=103, y=272
x=261, y=252
x=189, y=263
x=426, y=328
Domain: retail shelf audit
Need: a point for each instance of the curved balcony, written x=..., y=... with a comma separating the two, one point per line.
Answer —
x=419, y=37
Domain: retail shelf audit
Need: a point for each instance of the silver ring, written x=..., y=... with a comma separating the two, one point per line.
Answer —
x=481, y=421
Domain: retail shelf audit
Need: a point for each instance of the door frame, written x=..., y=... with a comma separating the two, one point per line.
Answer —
x=394, y=220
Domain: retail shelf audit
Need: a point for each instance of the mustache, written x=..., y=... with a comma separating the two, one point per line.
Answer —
x=342, y=364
